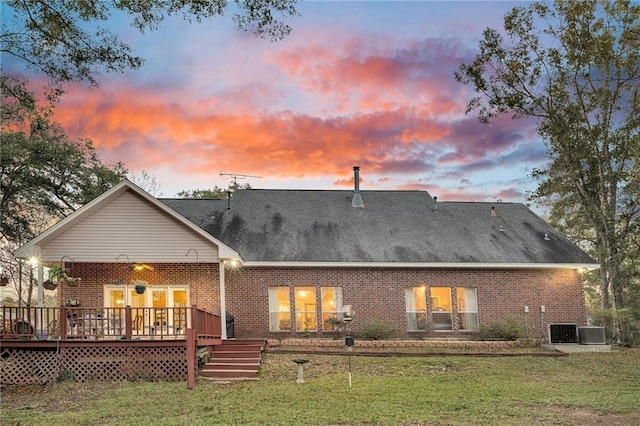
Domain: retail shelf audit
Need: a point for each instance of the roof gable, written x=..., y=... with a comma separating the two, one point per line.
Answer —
x=124, y=220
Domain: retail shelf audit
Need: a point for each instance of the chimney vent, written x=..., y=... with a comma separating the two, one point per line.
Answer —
x=357, y=198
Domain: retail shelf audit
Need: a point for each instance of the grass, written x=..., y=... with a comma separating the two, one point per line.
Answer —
x=453, y=390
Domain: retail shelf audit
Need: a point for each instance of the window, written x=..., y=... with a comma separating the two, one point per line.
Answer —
x=156, y=296
x=416, y=306
x=279, y=309
x=306, y=316
x=467, y=299
x=441, y=308
x=149, y=310
x=331, y=305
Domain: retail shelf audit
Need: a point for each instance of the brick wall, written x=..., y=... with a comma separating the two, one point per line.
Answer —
x=373, y=292
x=379, y=293
x=202, y=279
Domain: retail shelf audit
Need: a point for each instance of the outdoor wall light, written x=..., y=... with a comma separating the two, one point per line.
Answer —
x=232, y=264
x=138, y=267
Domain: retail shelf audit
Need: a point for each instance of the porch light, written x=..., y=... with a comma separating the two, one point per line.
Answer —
x=232, y=264
x=138, y=267
x=34, y=262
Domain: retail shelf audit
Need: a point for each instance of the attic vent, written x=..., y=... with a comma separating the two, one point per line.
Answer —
x=356, y=201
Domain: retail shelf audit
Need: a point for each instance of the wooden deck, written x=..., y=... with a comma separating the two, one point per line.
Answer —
x=41, y=345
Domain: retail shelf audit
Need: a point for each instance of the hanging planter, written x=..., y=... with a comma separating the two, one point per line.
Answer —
x=72, y=282
x=58, y=275
x=140, y=286
x=49, y=285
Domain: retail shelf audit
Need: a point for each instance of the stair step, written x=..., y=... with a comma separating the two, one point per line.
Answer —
x=235, y=360
x=228, y=373
x=223, y=380
x=227, y=367
x=237, y=348
x=238, y=355
x=258, y=342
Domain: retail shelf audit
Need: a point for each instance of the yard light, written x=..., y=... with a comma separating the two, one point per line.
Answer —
x=349, y=341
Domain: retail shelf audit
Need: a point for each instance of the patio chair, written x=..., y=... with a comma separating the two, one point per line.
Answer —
x=138, y=322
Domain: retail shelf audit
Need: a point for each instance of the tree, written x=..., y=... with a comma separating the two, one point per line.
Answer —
x=54, y=37
x=215, y=193
x=574, y=67
x=44, y=176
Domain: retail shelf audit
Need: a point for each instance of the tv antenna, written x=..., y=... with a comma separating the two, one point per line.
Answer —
x=236, y=176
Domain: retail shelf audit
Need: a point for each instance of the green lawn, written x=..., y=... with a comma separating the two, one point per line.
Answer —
x=590, y=388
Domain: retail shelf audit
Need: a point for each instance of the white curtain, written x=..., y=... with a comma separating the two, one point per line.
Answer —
x=468, y=309
x=337, y=292
x=410, y=303
x=274, y=324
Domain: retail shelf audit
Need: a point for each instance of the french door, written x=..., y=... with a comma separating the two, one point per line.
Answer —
x=158, y=298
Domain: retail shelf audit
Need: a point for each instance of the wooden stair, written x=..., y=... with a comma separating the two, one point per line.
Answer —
x=234, y=360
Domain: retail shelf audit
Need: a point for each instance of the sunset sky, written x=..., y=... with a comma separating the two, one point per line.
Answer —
x=356, y=83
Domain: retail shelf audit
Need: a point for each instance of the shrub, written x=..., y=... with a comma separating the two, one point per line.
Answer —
x=378, y=330
x=66, y=375
x=507, y=329
x=629, y=326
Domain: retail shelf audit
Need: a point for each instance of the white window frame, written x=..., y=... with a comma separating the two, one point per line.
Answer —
x=415, y=316
x=276, y=310
x=470, y=310
x=336, y=312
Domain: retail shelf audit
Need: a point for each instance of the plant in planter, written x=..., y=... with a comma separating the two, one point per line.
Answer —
x=49, y=285
x=72, y=282
x=140, y=286
x=99, y=313
x=58, y=275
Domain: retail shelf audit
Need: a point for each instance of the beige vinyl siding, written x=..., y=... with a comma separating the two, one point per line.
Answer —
x=132, y=226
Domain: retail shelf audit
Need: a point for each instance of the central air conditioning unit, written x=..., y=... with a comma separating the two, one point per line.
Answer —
x=563, y=333
x=591, y=336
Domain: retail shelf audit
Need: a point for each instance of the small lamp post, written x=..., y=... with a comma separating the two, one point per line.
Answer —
x=349, y=341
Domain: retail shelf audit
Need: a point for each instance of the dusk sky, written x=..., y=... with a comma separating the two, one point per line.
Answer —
x=356, y=83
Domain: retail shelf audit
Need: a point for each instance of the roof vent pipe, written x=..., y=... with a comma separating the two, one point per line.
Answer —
x=228, y=200
x=357, y=198
x=435, y=204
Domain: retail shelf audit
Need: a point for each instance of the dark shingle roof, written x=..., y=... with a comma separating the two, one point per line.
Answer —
x=394, y=226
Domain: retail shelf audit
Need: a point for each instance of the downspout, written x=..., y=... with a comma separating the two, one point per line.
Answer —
x=223, y=306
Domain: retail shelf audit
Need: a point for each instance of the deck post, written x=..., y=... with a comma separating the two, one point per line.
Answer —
x=128, y=322
x=63, y=323
x=191, y=358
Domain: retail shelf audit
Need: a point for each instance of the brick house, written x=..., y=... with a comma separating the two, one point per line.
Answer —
x=282, y=263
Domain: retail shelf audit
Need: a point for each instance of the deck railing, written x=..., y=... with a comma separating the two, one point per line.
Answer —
x=110, y=323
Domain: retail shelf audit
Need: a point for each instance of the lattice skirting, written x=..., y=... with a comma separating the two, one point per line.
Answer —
x=20, y=366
